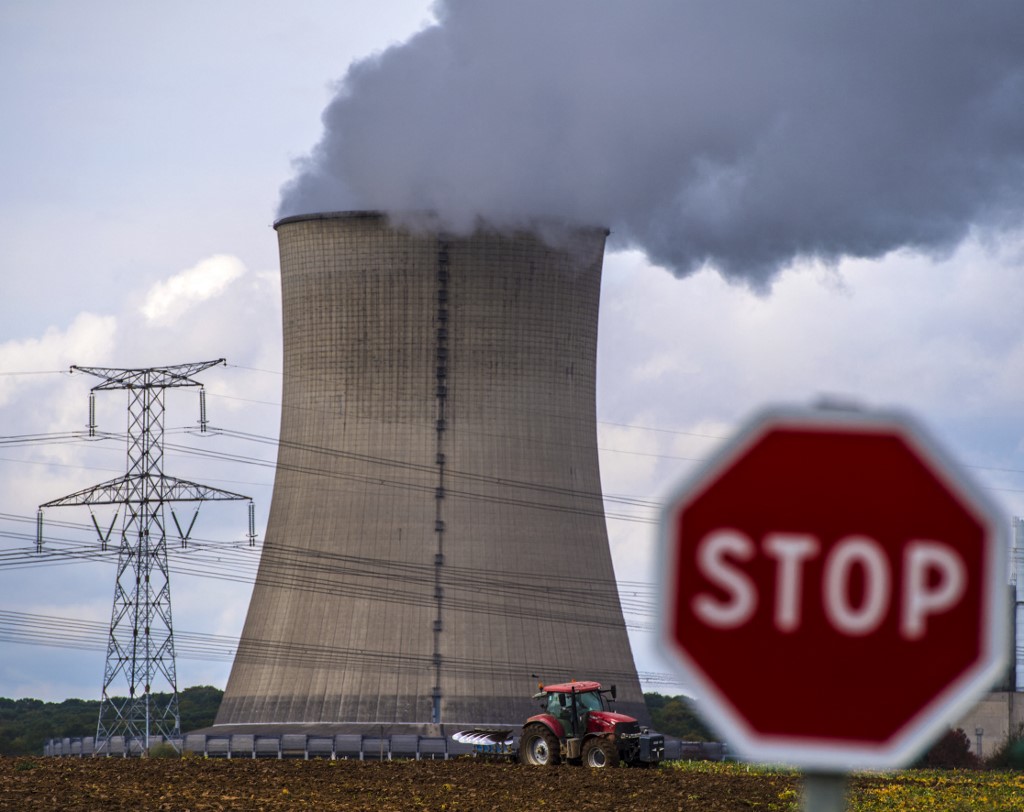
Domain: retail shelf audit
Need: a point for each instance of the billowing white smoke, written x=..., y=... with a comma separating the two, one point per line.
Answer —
x=743, y=134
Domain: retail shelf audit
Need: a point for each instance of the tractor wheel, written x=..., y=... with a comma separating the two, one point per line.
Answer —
x=538, y=747
x=600, y=753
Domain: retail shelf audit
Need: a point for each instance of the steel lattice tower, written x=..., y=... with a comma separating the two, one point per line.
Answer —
x=140, y=645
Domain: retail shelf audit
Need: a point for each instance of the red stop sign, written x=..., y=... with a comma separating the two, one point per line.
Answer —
x=833, y=588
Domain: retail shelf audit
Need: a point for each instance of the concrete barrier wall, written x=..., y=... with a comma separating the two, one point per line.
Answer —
x=340, y=746
x=288, y=745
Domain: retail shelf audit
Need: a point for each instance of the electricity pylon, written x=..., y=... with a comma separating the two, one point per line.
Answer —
x=140, y=645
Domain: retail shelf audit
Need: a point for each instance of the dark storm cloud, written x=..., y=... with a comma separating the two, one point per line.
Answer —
x=741, y=134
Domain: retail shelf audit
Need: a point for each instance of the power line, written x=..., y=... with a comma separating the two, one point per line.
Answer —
x=277, y=404
x=60, y=438
x=35, y=372
x=84, y=635
x=299, y=572
x=547, y=597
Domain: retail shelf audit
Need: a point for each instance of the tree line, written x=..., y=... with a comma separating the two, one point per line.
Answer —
x=26, y=724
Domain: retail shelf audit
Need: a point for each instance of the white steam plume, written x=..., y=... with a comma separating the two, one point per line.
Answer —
x=742, y=134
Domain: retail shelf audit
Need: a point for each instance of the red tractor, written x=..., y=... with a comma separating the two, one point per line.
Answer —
x=577, y=724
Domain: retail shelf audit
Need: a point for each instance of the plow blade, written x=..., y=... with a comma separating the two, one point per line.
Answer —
x=485, y=741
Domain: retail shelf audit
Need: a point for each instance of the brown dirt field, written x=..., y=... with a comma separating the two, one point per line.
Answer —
x=462, y=785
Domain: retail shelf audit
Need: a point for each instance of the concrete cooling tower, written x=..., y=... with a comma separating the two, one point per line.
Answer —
x=436, y=534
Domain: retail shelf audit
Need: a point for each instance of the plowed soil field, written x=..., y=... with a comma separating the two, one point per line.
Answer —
x=201, y=785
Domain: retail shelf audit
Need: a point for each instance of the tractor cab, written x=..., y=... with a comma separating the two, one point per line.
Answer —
x=571, y=704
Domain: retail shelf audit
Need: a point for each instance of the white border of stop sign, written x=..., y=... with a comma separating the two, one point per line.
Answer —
x=731, y=603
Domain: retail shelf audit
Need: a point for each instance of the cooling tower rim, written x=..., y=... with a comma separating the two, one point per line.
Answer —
x=374, y=214
x=331, y=215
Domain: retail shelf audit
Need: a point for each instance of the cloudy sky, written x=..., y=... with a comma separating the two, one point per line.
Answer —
x=801, y=206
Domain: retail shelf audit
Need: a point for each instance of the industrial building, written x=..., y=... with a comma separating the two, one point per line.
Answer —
x=437, y=533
